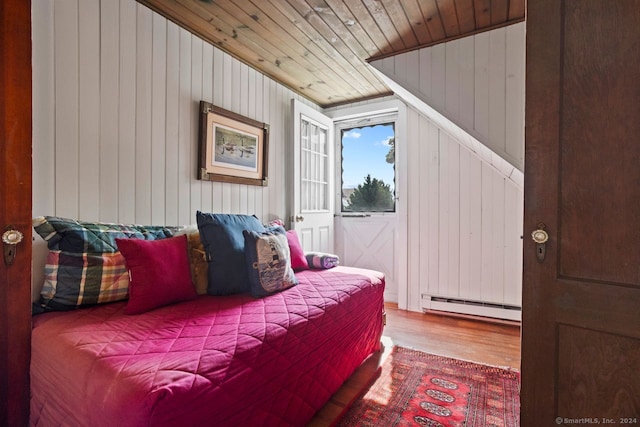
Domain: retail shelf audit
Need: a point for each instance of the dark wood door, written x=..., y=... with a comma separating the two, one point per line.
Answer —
x=581, y=305
x=15, y=209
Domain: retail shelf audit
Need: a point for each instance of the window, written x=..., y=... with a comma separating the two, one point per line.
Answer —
x=314, y=156
x=368, y=166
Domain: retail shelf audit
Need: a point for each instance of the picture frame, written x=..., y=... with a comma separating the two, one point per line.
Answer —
x=232, y=148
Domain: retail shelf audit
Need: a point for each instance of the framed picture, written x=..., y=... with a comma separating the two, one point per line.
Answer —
x=233, y=148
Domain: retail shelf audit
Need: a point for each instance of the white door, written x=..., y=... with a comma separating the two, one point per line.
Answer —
x=370, y=213
x=313, y=181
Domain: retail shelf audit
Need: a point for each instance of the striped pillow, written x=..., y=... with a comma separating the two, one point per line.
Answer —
x=322, y=261
x=84, y=266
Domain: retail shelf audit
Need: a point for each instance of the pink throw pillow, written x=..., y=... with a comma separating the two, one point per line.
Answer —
x=159, y=272
x=298, y=260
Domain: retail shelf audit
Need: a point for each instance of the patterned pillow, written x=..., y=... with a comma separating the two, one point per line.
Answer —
x=72, y=280
x=268, y=262
x=84, y=266
x=321, y=260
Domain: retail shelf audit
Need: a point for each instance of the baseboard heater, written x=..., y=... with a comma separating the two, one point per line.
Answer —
x=477, y=308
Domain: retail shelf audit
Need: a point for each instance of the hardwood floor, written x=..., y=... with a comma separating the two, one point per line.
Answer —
x=460, y=338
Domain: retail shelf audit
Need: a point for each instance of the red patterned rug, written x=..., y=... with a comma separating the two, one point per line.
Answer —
x=420, y=389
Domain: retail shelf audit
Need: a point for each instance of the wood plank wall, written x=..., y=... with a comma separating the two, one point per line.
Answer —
x=477, y=82
x=465, y=222
x=116, y=92
x=465, y=218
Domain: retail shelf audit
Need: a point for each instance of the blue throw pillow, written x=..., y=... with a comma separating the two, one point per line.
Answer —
x=221, y=236
x=268, y=261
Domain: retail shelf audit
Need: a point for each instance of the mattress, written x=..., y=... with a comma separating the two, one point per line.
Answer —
x=233, y=360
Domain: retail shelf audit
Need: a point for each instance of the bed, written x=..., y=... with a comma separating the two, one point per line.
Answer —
x=210, y=360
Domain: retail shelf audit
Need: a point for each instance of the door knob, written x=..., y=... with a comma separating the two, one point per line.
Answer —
x=10, y=240
x=299, y=218
x=540, y=236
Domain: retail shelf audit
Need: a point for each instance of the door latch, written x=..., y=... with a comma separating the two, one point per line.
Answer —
x=10, y=240
x=540, y=236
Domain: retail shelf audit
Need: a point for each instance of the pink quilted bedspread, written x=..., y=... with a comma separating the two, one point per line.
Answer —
x=211, y=361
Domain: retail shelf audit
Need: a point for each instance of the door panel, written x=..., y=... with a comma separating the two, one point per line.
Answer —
x=595, y=374
x=600, y=87
x=15, y=209
x=312, y=166
x=581, y=323
x=370, y=242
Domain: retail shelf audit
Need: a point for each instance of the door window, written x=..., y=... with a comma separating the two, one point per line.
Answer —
x=368, y=168
x=315, y=159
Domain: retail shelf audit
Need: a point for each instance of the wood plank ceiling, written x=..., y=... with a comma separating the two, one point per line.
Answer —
x=321, y=48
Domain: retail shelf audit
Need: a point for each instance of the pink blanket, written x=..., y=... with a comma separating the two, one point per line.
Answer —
x=211, y=361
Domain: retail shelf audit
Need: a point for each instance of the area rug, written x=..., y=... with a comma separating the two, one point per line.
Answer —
x=420, y=389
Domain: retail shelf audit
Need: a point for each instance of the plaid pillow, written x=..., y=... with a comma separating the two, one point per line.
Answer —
x=72, y=280
x=84, y=266
x=93, y=237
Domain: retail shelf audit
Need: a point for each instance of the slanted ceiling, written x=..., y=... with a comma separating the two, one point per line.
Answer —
x=321, y=48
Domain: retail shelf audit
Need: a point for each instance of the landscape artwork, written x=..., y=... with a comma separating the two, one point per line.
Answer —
x=232, y=148
x=235, y=149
